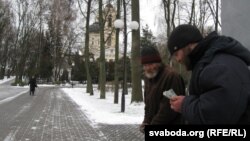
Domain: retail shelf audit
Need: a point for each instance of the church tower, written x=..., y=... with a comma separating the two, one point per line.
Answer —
x=109, y=34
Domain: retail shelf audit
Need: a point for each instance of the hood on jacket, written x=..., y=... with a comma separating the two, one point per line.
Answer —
x=226, y=45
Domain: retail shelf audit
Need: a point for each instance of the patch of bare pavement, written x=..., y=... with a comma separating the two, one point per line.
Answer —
x=51, y=115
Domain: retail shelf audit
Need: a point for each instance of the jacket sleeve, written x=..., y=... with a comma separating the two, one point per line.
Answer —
x=178, y=84
x=165, y=114
x=220, y=101
x=146, y=114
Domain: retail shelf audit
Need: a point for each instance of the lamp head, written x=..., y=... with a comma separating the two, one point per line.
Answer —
x=119, y=24
x=134, y=25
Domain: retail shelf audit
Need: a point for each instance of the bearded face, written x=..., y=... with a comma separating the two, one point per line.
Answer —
x=151, y=70
x=182, y=57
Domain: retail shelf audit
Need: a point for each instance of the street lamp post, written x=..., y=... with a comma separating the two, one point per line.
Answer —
x=133, y=26
x=72, y=84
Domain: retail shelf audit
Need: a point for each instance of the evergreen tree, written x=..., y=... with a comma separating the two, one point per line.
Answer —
x=147, y=38
x=46, y=64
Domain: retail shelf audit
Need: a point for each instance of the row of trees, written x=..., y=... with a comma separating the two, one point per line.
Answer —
x=78, y=71
x=36, y=36
x=43, y=37
x=205, y=14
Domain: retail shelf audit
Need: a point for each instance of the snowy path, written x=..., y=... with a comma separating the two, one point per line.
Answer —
x=51, y=115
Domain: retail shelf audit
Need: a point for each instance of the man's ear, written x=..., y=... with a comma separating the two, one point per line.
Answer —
x=192, y=45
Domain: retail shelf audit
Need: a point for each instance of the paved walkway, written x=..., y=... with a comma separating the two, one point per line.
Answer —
x=51, y=115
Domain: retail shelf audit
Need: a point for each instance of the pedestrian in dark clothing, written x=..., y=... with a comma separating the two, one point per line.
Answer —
x=157, y=79
x=219, y=90
x=33, y=85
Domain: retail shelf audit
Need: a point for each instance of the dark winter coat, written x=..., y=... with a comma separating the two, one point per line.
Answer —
x=157, y=107
x=32, y=84
x=220, y=84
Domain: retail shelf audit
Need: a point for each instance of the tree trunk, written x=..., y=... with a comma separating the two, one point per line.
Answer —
x=116, y=83
x=192, y=12
x=86, y=52
x=135, y=56
x=217, y=16
x=167, y=16
x=102, y=74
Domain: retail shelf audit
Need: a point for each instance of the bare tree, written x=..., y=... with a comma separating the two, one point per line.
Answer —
x=6, y=36
x=116, y=91
x=21, y=13
x=169, y=15
x=60, y=32
x=192, y=16
x=26, y=33
x=217, y=16
x=167, y=8
x=173, y=14
x=215, y=12
x=102, y=73
x=86, y=51
x=135, y=54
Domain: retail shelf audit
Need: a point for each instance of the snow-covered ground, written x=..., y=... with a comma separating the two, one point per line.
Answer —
x=6, y=79
x=104, y=110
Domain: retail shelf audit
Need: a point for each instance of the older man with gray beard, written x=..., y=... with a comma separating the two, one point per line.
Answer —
x=159, y=78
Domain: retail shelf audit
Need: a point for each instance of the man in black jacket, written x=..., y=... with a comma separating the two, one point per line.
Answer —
x=219, y=90
x=33, y=85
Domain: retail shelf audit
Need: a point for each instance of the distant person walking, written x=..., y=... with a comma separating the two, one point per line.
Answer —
x=33, y=85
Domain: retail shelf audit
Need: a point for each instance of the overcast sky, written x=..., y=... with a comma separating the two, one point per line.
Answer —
x=148, y=13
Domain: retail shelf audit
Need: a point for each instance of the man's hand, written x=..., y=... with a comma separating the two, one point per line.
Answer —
x=176, y=103
x=142, y=127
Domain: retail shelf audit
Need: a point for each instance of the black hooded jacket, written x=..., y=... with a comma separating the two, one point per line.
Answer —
x=219, y=91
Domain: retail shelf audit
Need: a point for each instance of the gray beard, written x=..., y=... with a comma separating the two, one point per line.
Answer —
x=151, y=75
